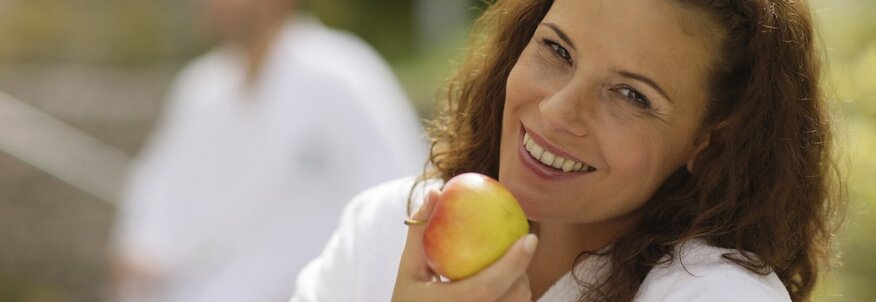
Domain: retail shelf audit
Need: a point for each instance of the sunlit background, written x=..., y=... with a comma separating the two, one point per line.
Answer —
x=82, y=82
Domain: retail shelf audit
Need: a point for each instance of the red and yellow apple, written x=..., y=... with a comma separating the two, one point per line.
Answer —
x=473, y=222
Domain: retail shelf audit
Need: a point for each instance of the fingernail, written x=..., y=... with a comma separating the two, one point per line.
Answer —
x=425, y=205
x=416, y=215
x=529, y=243
x=428, y=199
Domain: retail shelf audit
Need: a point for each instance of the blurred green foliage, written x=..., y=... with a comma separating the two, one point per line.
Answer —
x=849, y=33
x=389, y=25
x=97, y=31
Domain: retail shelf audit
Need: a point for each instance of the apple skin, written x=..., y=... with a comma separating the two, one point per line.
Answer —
x=473, y=223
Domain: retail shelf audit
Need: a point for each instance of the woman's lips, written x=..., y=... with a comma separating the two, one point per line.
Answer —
x=546, y=160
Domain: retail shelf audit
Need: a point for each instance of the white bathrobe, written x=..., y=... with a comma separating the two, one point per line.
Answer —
x=242, y=184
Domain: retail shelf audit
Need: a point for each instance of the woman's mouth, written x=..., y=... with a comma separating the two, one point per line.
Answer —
x=551, y=159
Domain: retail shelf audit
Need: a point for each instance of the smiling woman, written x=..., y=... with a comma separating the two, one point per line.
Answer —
x=661, y=150
x=593, y=103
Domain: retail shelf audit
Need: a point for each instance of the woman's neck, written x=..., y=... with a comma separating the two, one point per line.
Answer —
x=560, y=244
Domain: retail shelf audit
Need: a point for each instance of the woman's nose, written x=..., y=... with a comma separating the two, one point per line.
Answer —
x=567, y=110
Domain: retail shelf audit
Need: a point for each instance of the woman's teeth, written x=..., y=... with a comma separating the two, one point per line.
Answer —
x=550, y=159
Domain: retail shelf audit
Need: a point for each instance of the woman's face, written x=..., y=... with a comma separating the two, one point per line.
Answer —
x=612, y=92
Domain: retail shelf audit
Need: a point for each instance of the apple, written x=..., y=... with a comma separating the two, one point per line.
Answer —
x=473, y=222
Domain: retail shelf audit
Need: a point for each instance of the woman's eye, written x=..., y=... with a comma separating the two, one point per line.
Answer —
x=634, y=96
x=559, y=50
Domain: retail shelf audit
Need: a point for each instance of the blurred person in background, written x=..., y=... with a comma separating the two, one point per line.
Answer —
x=263, y=140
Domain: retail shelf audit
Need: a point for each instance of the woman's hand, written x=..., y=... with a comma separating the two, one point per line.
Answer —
x=504, y=280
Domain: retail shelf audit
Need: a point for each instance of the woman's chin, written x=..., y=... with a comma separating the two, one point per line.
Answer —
x=536, y=210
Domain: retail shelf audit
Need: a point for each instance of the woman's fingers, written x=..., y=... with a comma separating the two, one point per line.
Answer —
x=498, y=278
x=414, y=277
x=413, y=262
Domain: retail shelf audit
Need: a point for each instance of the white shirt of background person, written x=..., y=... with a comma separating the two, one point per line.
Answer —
x=243, y=181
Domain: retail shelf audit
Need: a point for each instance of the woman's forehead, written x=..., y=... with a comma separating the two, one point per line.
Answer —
x=658, y=38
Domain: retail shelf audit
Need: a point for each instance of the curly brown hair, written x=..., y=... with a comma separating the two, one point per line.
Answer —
x=766, y=183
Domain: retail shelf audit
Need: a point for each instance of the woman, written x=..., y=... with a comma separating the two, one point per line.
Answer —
x=662, y=151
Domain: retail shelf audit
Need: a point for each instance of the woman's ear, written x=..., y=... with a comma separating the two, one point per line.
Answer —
x=703, y=143
x=708, y=136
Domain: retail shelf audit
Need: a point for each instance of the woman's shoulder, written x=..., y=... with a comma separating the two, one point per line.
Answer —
x=699, y=272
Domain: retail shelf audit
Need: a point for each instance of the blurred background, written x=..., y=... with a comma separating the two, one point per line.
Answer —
x=82, y=83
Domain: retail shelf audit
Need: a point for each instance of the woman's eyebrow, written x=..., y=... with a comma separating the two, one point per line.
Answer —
x=623, y=73
x=646, y=80
x=560, y=33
